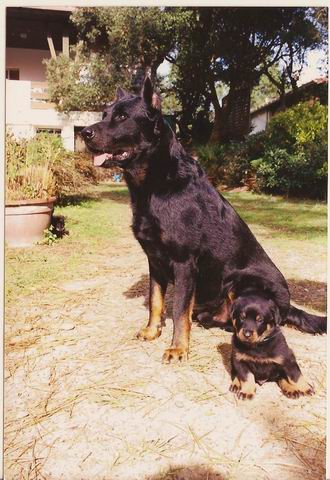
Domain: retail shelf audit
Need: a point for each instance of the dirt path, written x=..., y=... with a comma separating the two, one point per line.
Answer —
x=86, y=400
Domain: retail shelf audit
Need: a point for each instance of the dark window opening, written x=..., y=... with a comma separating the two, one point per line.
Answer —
x=55, y=131
x=12, y=73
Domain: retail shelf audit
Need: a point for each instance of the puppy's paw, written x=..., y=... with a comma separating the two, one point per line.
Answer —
x=149, y=333
x=245, y=396
x=235, y=385
x=244, y=390
x=175, y=355
x=296, y=389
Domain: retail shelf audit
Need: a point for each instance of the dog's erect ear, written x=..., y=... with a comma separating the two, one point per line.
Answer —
x=156, y=102
x=147, y=91
x=120, y=93
x=148, y=95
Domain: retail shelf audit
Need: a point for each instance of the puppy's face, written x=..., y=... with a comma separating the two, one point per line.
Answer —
x=254, y=318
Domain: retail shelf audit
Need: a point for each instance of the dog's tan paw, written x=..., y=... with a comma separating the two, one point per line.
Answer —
x=244, y=390
x=148, y=333
x=245, y=396
x=297, y=389
x=235, y=385
x=175, y=355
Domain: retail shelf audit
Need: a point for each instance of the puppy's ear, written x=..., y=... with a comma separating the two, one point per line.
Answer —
x=120, y=93
x=234, y=305
x=275, y=312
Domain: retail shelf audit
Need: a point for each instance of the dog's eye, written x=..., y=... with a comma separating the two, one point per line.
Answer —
x=121, y=117
x=258, y=319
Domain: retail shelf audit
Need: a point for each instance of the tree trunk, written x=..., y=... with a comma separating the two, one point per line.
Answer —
x=216, y=136
x=236, y=112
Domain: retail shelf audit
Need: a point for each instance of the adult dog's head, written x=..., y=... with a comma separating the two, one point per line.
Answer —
x=130, y=126
x=254, y=318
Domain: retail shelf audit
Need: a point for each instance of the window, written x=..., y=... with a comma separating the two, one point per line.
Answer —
x=55, y=131
x=12, y=73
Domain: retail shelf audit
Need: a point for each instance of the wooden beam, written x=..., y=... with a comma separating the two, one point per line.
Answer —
x=65, y=45
x=51, y=46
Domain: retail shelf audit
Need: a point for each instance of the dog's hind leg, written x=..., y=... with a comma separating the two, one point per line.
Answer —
x=183, y=304
x=157, y=292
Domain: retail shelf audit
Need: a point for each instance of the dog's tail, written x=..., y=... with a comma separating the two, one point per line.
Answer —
x=306, y=322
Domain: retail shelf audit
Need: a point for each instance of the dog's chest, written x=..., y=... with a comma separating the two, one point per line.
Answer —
x=146, y=228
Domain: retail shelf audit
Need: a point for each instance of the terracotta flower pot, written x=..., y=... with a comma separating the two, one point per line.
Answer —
x=26, y=220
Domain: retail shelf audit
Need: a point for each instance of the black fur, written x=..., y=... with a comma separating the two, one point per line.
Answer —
x=192, y=236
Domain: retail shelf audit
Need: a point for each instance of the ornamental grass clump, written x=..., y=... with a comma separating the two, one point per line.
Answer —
x=26, y=178
x=41, y=168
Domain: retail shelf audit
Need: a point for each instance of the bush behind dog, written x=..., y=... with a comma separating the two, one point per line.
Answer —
x=288, y=158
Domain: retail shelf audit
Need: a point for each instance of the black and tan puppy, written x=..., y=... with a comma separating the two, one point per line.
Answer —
x=191, y=235
x=259, y=350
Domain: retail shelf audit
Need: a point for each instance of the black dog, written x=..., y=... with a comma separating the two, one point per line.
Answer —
x=259, y=350
x=192, y=236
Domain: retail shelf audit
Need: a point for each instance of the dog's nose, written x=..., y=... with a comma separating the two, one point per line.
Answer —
x=88, y=133
x=247, y=333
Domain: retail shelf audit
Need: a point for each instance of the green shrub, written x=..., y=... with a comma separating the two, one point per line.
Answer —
x=294, y=161
x=225, y=163
x=289, y=158
x=298, y=127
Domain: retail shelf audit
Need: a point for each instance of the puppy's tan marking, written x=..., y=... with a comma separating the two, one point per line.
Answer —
x=235, y=385
x=293, y=389
x=244, y=357
x=248, y=387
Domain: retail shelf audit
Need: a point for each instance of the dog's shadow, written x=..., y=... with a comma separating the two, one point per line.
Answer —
x=225, y=351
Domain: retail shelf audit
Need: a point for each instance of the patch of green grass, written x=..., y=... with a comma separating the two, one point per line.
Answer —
x=101, y=217
x=95, y=222
x=285, y=219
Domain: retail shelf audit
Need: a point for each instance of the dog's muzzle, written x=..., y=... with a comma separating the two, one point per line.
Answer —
x=87, y=133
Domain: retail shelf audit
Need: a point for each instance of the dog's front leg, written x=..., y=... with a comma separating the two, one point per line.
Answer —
x=157, y=290
x=183, y=303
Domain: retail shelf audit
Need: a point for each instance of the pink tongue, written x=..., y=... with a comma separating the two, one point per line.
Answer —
x=100, y=159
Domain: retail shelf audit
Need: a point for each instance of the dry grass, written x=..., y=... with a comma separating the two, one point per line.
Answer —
x=84, y=399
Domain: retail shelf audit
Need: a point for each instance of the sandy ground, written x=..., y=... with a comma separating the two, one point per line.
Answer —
x=84, y=399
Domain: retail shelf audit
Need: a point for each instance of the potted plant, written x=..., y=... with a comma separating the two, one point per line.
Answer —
x=30, y=191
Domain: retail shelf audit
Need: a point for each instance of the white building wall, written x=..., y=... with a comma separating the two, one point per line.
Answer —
x=29, y=63
x=23, y=120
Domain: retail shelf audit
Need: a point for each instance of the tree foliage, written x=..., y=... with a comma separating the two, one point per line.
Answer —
x=82, y=82
x=208, y=46
x=240, y=46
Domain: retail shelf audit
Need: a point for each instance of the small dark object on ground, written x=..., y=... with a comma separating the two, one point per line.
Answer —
x=58, y=224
